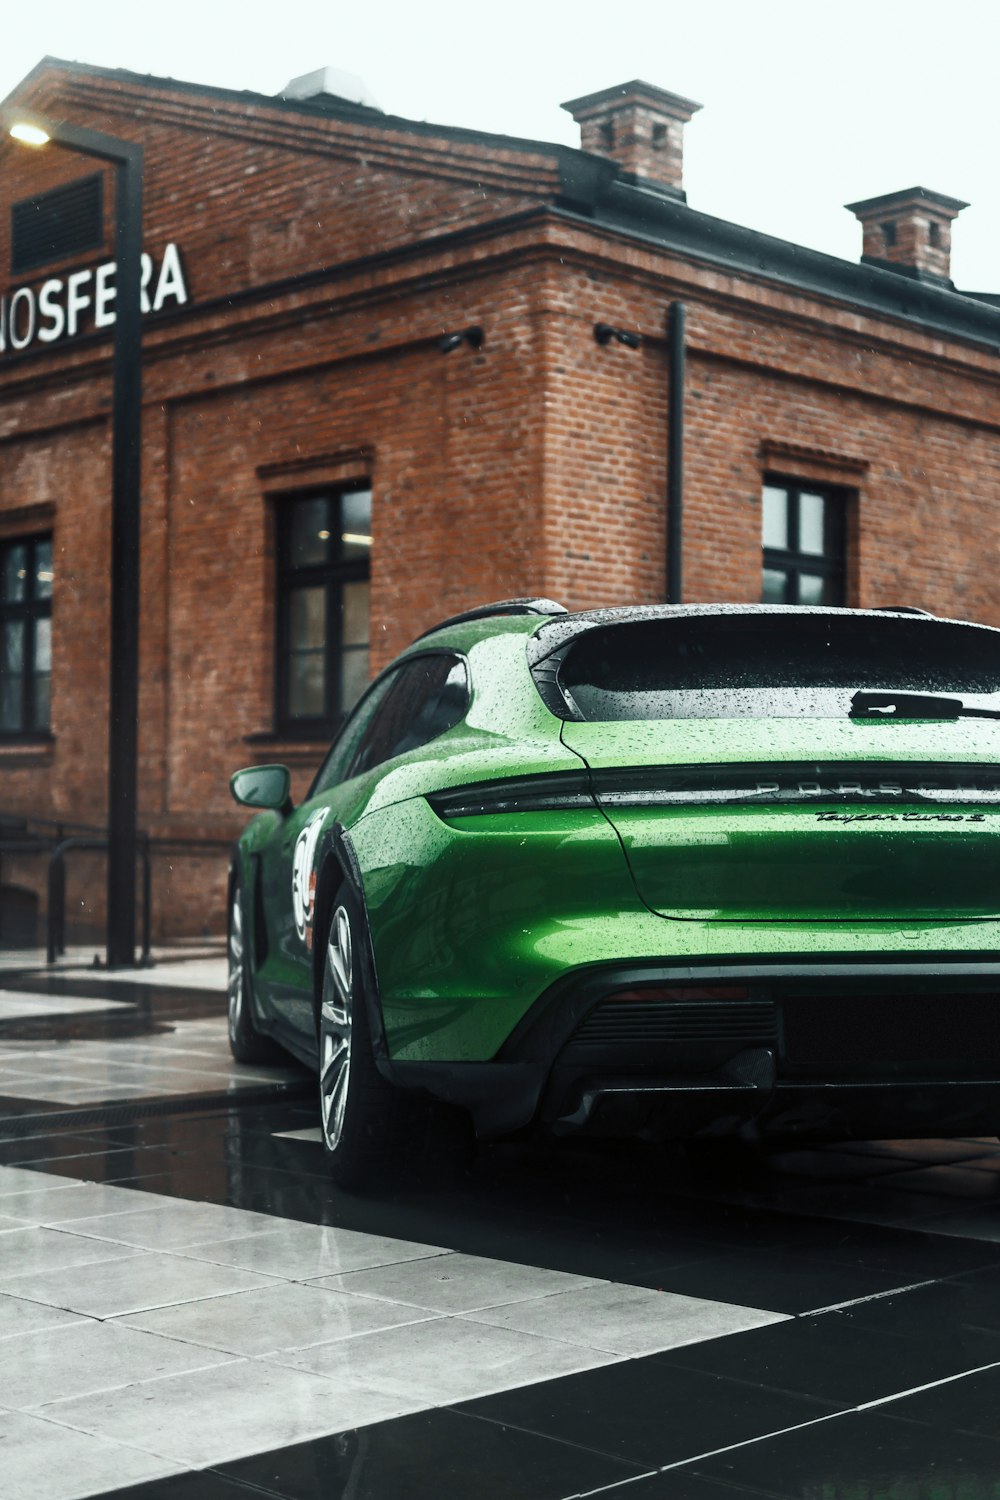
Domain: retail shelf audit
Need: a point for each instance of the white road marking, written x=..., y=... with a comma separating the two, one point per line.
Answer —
x=931, y=1385
x=833, y=1416
x=815, y=1312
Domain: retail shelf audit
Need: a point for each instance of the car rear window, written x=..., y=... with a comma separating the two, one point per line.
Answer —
x=741, y=666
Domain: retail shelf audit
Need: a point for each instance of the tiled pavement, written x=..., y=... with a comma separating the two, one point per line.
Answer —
x=189, y=1309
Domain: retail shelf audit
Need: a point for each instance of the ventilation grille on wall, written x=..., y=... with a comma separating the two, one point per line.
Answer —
x=66, y=221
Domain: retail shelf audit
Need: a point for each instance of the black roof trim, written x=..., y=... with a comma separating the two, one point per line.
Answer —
x=633, y=210
x=583, y=177
x=552, y=636
x=328, y=107
x=915, y=273
x=526, y=606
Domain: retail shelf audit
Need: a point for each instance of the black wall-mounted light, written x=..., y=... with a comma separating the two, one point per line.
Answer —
x=604, y=333
x=472, y=336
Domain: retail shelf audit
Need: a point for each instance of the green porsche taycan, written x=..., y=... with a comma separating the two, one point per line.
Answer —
x=661, y=871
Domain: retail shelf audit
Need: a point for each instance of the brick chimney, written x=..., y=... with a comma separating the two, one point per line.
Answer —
x=909, y=232
x=638, y=126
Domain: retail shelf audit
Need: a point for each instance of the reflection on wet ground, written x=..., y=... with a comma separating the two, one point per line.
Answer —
x=75, y=1042
x=176, y=1268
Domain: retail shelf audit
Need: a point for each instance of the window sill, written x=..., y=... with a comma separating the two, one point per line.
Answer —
x=27, y=750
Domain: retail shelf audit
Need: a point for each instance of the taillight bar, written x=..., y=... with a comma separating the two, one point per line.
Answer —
x=680, y=786
x=549, y=792
x=796, y=782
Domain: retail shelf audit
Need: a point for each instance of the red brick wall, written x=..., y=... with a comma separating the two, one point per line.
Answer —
x=454, y=461
x=912, y=427
x=537, y=464
x=253, y=194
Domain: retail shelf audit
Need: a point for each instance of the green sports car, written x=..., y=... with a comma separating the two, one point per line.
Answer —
x=662, y=871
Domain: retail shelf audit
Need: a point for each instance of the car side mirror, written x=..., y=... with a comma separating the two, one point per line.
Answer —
x=263, y=786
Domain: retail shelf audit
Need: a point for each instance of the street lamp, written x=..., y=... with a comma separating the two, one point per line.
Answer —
x=126, y=455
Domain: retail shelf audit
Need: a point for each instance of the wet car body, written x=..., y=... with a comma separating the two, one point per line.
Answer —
x=662, y=871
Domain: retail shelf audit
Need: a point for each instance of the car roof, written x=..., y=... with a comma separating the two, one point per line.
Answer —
x=552, y=627
x=552, y=634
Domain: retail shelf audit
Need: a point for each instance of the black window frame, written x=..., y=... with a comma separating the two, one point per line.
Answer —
x=28, y=611
x=831, y=563
x=332, y=575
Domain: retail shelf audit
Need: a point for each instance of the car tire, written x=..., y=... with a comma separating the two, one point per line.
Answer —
x=245, y=1042
x=373, y=1134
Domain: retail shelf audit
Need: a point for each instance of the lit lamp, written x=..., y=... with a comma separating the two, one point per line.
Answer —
x=30, y=135
x=126, y=454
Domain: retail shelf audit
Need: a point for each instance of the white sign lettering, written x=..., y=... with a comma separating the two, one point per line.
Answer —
x=22, y=323
x=104, y=295
x=77, y=300
x=170, y=282
x=84, y=300
x=52, y=311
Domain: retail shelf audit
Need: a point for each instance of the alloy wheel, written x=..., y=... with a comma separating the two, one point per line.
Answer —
x=235, y=982
x=336, y=1025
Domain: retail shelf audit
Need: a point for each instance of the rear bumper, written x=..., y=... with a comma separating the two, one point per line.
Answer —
x=472, y=921
x=835, y=1110
x=838, y=1048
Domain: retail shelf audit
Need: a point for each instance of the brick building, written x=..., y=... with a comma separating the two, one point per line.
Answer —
x=392, y=369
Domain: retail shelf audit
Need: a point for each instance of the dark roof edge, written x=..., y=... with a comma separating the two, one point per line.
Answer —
x=552, y=634
x=636, y=211
x=355, y=114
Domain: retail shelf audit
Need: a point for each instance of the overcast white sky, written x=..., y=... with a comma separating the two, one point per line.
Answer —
x=807, y=106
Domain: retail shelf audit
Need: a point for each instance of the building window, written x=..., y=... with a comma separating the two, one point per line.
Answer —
x=803, y=537
x=26, y=631
x=324, y=562
x=62, y=222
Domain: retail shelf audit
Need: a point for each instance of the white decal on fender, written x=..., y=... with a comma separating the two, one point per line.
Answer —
x=304, y=876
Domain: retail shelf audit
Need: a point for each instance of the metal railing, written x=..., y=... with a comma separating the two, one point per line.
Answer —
x=27, y=832
x=57, y=837
x=55, y=942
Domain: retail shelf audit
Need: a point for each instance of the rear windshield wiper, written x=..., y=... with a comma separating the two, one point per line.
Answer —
x=866, y=705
